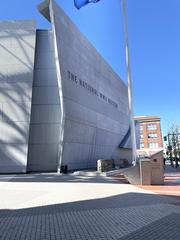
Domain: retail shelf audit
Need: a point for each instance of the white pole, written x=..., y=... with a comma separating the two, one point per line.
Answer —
x=60, y=88
x=129, y=79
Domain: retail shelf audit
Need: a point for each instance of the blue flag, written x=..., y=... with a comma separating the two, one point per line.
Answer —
x=81, y=3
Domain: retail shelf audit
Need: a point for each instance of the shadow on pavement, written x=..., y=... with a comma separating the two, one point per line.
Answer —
x=131, y=199
x=166, y=228
x=81, y=220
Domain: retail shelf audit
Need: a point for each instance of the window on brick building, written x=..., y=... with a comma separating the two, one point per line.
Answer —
x=152, y=126
x=152, y=135
x=153, y=145
x=142, y=145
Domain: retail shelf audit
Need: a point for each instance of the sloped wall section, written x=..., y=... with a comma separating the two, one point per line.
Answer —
x=94, y=98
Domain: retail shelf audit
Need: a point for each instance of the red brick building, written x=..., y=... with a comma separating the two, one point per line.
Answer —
x=150, y=132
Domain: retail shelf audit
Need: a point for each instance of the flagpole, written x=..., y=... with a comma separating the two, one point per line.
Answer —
x=129, y=79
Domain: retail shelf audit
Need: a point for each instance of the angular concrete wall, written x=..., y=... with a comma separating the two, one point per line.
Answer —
x=17, y=47
x=45, y=116
x=94, y=97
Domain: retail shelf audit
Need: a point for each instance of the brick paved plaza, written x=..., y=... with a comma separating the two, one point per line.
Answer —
x=69, y=207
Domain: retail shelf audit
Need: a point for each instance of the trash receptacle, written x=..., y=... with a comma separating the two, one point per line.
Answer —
x=64, y=169
x=157, y=169
x=145, y=171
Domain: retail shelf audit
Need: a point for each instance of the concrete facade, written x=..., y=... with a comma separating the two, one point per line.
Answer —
x=17, y=48
x=45, y=115
x=77, y=100
x=95, y=98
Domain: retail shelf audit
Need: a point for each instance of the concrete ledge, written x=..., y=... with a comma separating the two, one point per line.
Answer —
x=132, y=174
x=112, y=173
x=96, y=173
x=86, y=173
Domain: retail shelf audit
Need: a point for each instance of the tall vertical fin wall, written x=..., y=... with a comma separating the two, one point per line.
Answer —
x=45, y=117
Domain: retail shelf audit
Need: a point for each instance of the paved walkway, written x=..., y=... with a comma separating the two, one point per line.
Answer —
x=54, y=207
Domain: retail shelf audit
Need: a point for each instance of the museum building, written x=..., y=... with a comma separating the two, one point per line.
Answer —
x=60, y=102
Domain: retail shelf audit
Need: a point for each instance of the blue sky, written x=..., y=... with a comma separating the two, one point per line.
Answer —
x=154, y=39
